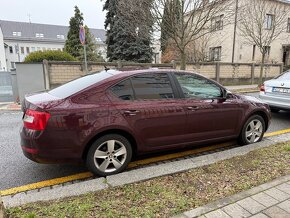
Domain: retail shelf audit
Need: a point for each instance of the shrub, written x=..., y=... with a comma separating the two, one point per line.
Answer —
x=39, y=56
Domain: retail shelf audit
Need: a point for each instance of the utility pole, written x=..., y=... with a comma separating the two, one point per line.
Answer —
x=235, y=30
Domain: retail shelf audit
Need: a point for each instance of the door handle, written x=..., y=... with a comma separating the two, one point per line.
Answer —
x=131, y=112
x=193, y=108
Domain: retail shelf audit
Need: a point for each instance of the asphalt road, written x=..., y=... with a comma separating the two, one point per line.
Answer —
x=17, y=170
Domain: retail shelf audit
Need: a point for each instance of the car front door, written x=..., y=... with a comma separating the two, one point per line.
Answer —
x=149, y=104
x=209, y=115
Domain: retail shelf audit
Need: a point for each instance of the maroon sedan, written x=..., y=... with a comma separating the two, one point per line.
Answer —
x=105, y=118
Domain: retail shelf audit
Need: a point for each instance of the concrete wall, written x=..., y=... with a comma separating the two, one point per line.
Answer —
x=30, y=79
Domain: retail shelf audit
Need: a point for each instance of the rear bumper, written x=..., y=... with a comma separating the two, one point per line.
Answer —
x=279, y=102
x=34, y=149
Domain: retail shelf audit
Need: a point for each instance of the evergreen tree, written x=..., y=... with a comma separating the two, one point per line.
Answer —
x=73, y=45
x=128, y=38
x=171, y=7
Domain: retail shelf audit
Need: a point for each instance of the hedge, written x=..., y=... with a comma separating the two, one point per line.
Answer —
x=39, y=56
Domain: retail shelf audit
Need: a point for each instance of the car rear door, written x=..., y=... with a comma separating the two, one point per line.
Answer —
x=209, y=115
x=149, y=103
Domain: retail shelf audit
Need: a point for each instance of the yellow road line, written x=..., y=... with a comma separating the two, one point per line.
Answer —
x=280, y=132
x=86, y=175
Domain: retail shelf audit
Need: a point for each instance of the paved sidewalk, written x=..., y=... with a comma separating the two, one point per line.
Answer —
x=268, y=200
x=241, y=87
x=10, y=106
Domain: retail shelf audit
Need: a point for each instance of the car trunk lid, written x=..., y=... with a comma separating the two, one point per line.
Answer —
x=277, y=87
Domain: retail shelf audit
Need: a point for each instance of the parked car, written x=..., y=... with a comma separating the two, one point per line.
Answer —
x=276, y=92
x=105, y=118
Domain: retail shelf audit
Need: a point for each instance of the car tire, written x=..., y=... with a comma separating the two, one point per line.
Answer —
x=108, y=155
x=274, y=110
x=253, y=130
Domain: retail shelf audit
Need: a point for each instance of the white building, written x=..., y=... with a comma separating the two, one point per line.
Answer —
x=18, y=39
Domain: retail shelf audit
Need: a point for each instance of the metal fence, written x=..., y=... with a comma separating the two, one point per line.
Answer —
x=6, y=93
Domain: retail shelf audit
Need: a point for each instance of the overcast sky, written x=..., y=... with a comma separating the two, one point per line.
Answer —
x=56, y=12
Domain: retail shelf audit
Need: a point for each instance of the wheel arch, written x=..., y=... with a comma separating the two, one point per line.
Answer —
x=261, y=113
x=121, y=132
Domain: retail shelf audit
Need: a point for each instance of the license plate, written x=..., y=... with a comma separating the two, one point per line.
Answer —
x=281, y=90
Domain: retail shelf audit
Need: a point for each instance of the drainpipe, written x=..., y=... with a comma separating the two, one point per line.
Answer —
x=235, y=30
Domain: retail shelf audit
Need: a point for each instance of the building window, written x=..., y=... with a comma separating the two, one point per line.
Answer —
x=60, y=36
x=27, y=50
x=288, y=25
x=217, y=23
x=269, y=21
x=268, y=49
x=11, y=49
x=16, y=33
x=39, y=35
x=215, y=53
x=98, y=39
x=22, y=50
x=32, y=49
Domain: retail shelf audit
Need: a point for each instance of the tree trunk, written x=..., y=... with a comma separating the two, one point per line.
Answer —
x=262, y=69
x=183, y=61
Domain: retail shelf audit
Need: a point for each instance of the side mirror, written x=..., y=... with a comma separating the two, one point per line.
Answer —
x=226, y=94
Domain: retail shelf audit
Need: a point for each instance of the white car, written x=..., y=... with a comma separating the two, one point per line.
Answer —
x=276, y=92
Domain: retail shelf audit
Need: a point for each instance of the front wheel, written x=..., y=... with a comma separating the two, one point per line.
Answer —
x=108, y=155
x=253, y=130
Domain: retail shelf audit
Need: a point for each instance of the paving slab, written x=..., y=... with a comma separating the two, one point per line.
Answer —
x=285, y=205
x=276, y=212
x=284, y=188
x=236, y=210
x=217, y=214
x=251, y=205
x=277, y=194
x=265, y=199
x=259, y=215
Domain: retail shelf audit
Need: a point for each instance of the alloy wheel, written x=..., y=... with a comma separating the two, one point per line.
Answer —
x=254, y=131
x=110, y=156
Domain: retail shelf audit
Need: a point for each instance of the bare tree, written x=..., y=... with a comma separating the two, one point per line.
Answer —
x=197, y=18
x=262, y=22
x=194, y=19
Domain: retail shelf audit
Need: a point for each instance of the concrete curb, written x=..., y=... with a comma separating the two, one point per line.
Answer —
x=136, y=175
x=2, y=209
x=199, y=211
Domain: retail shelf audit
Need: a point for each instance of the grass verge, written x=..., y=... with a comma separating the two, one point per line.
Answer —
x=169, y=195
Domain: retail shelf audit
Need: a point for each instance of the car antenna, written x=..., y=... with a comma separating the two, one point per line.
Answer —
x=106, y=68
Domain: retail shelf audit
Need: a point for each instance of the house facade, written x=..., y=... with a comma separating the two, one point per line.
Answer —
x=227, y=43
x=18, y=39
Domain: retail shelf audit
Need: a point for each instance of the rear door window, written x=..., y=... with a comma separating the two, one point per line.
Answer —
x=152, y=86
x=123, y=90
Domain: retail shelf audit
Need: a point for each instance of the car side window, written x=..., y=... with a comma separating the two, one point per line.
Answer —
x=194, y=86
x=123, y=90
x=152, y=86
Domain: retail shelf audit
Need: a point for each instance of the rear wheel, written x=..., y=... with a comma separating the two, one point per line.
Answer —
x=110, y=154
x=253, y=130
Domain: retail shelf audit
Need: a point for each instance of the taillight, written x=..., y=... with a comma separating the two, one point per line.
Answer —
x=262, y=88
x=35, y=120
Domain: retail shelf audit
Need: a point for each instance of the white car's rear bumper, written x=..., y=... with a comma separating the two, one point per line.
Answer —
x=276, y=101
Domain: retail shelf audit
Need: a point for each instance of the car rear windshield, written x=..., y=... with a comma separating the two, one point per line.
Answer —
x=79, y=84
x=284, y=76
